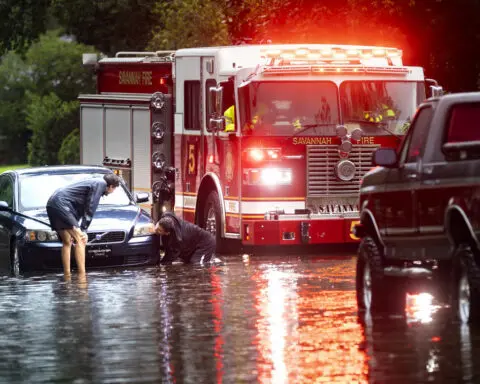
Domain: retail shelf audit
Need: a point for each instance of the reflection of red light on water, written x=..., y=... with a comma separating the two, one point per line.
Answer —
x=305, y=334
x=217, y=299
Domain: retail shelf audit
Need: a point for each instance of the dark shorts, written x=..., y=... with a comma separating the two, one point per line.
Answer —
x=61, y=219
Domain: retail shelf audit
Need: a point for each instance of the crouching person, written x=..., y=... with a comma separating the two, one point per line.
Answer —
x=184, y=240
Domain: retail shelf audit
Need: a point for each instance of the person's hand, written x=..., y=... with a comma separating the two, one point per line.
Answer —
x=84, y=238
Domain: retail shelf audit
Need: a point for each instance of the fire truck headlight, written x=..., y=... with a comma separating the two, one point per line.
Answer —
x=275, y=176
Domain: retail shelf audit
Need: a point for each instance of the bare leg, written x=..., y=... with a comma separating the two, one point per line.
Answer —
x=77, y=235
x=66, y=247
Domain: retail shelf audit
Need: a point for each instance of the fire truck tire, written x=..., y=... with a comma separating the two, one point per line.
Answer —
x=376, y=293
x=212, y=220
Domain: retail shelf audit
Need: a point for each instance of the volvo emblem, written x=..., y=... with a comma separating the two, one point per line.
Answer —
x=98, y=236
x=345, y=170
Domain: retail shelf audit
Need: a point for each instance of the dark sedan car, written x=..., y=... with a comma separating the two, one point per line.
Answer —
x=118, y=235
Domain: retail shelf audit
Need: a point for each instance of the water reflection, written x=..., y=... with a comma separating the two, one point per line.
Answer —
x=266, y=320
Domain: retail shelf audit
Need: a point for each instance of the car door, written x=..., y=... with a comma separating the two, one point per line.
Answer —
x=445, y=178
x=6, y=195
x=402, y=184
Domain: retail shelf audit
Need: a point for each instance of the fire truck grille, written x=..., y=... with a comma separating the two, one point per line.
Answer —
x=321, y=178
x=106, y=237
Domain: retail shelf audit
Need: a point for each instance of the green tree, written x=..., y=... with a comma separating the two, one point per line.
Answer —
x=70, y=149
x=189, y=23
x=14, y=82
x=108, y=25
x=22, y=22
x=51, y=120
x=55, y=65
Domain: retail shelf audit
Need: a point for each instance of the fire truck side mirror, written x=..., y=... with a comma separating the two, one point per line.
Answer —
x=216, y=125
x=216, y=100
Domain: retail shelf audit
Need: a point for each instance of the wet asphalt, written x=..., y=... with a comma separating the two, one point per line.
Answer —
x=254, y=319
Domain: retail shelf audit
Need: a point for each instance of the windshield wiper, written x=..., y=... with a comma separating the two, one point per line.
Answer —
x=306, y=127
x=381, y=125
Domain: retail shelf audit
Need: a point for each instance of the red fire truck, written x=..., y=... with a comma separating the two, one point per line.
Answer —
x=266, y=144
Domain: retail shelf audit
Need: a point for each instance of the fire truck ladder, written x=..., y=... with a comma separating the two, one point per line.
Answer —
x=154, y=56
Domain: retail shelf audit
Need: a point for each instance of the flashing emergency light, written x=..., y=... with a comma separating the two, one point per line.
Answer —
x=333, y=53
x=260, y=154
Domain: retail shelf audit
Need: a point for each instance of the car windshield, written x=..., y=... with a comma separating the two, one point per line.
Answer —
x=35, y=190
x=380, y=107
x=283, y=108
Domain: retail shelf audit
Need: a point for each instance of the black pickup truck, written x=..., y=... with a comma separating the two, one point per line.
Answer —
x=420, y=211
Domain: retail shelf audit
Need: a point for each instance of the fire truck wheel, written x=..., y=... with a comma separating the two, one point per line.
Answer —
x=211, y=217
x=376, y=293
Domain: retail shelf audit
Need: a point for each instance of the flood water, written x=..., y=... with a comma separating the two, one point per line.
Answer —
x=268, y=319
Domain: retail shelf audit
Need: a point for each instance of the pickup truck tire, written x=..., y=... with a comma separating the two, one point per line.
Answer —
x=376, y=293
x=466, y=293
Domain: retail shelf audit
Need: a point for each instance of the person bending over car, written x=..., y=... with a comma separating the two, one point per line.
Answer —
x=68, y=205
x=184, y=240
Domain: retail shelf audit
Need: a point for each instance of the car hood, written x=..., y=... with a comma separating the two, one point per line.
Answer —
x=106, y=217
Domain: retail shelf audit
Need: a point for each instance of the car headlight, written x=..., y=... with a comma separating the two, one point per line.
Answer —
x=143, y=229
x=41, y=235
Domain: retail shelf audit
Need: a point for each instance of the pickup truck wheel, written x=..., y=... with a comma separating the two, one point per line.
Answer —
x=466, y=294
x=376, y=293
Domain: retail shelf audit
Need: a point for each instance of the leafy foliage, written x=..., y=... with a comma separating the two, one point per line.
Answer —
x=189, y=23
x=50, y=119
x=22, y=22
x=70, y=149
x=55, y=65
x=108, y=25
x=14, y=82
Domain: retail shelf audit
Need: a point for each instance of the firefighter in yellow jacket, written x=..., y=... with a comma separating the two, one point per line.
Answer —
x=383, y=113
x=229, y=119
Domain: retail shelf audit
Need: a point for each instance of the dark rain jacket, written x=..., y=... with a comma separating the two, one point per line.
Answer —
x=187, y=242
x=81, y=199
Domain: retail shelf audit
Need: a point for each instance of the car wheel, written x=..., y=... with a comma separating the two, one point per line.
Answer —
x=211, y=218
x=376, y=293
x=466, y=294
x=15, y=261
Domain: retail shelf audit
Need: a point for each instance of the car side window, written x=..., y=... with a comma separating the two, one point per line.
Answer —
x=463, y=123
x=6, y=190
x=417, y=136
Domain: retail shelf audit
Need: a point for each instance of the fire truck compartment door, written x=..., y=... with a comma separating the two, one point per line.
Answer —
x=142, y=163
x=118, y=138
x=91, y=145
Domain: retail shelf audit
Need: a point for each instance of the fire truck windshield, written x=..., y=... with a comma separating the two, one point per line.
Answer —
x=310, y=108
x=287, y=107
x=379, y=107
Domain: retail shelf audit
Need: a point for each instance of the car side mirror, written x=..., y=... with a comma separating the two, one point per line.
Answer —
x=385, y=157
x=4, y=206
x=142, y=197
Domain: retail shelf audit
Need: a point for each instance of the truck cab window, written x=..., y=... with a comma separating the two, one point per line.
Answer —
x=192, y=105
x=418, y=133
x=464, y=123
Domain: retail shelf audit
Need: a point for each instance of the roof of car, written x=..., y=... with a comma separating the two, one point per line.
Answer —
x=61, y=169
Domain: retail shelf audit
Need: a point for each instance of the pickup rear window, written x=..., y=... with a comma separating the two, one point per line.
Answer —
x=464, y=123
